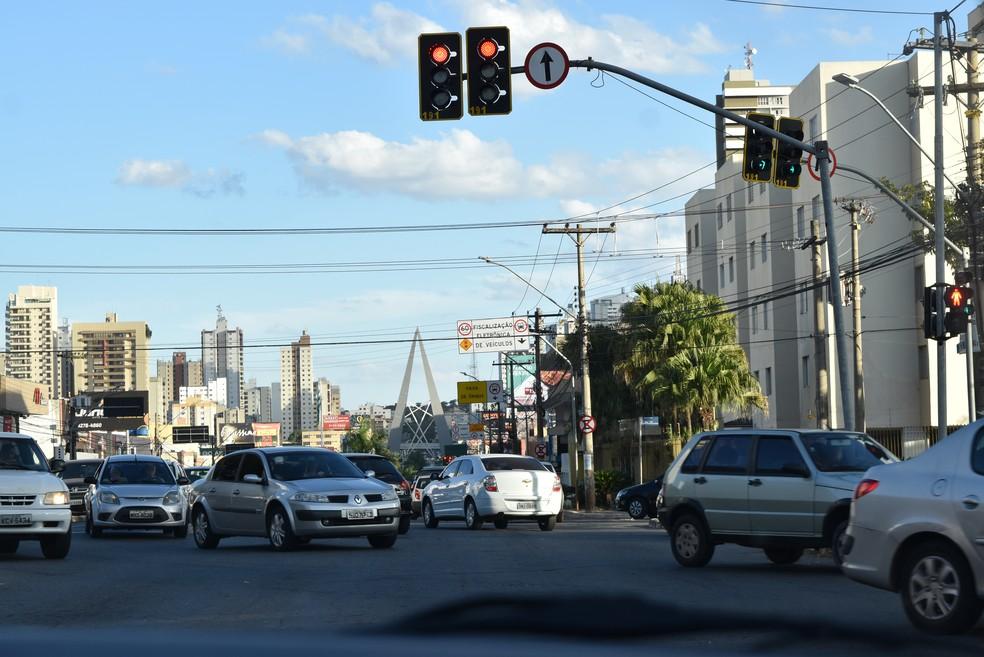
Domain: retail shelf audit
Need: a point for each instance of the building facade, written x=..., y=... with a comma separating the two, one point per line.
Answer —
x=32, y=337
x=111, y=355
x=607, y=310
x=259, y=403
x=297, y=387
x=327, y=398
x=222, y=358
x=179, y=377
x=195, y=376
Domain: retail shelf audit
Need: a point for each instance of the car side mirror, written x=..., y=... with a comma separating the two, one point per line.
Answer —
x=370, y=473
x=90, y=480
x=252, y=479
x=797, y=469
x=183, y=481
x=56, y=465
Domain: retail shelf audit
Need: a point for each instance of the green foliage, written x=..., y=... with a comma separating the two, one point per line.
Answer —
x=956, y=213
x=364, y=439
x=411, y=465
x=608, y=482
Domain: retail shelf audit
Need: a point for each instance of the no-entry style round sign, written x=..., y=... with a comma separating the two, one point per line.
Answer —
x=586, y=424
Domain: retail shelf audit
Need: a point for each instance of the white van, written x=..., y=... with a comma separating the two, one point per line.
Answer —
x=34, y=503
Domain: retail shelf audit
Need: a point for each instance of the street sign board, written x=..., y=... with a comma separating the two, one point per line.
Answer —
x=488, y=336
x=652, y=421
x=546, y=65
x=586, y=423
x=540, y=450
x=492, y=345
x=479, y=392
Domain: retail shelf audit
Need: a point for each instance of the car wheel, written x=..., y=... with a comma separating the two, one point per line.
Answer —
x=547, y=524
x=560, y=517
x=205, y=538
x=281, y=534
x=690, y=542
x=382, y=541
x=783, y=556
x=9, y=545
x=430, y=520
x=837, y=541
x=637, y=508
x=180, y=532
x=938, y=589
x=56, y=546
x=90, y=527
x=404, y=525
x=472, y=519
x=501, y=523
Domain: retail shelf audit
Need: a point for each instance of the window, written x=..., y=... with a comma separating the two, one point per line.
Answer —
x=923, y=362
x=977, y=456
x=765, y=315
x=720, y=214
x=699, y=288
x=227, y=467
x=751, y=254
x=692, y=463
x=688, y=241
x=721, y=272
x=499, y=463
x=755, y=319
x=804, y=302
x=778, y=456
x=696, y=235
x=815, y=203
x=762, y=187
x=731, y=269
x=451, y=470
x=765, y=248
x=805, y=369
x=919, y=274
x=768, y=381
x=756, y=375
x=729, y=208
x=751, y=192
x=465, y=469
x=814, y=128
x=729, y=455
x=800, y=222
x=251, y=465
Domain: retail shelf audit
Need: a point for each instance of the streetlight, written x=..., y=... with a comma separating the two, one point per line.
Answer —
x=520, y=277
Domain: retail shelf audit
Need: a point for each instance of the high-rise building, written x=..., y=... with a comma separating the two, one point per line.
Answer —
x=297, y=387
x=741, y=93
x=195, y=378
x=32, y=337
x=259, y=403
x=276, y=402
x=327, y=398
x=607, y=310
x=179, y=366
x=65, y=364
x=222, y=358
x=115, y=355
x=161, y=391
x=216, y=391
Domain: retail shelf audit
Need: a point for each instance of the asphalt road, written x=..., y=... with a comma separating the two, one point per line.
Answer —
x=142, y=580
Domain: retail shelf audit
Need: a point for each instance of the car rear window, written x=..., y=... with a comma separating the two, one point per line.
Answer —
x=498, y=463
x=692, y=462
x=80, y=469
x=384, y=468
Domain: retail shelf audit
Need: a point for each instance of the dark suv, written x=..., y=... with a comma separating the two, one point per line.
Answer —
x=386, y=472
x=74, y=476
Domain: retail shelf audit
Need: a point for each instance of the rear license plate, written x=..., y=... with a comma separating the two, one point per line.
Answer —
x=15, y=521
x=358, y=514
x=526, y=506
x=141, y=515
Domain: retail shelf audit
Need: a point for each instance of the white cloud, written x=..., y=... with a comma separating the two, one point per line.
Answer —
x=388, y=35
x=288, y=42
x=175, y=174
x=848, y=37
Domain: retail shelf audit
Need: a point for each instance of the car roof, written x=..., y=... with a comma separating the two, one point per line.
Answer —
x=134, y=458
x=363, y=455
x=11, y=434
x=780, y=430
x=281, y=450
x=85, y=461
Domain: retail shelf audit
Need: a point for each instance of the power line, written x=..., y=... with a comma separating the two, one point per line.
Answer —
x=784, y=5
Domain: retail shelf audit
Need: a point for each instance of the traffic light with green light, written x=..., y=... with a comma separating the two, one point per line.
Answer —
x=758, y=161
x=788, y=157
x=489, y=70
x=440, y=67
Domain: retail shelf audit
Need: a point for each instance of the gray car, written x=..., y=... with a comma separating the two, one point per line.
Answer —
x=291, y=495
x=135, y=492
x=782, y=490
x=917, y=527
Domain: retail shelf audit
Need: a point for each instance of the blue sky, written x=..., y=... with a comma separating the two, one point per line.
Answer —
x=304, y=114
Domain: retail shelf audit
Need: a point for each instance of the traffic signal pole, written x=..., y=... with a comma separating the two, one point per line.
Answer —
x=939, y=219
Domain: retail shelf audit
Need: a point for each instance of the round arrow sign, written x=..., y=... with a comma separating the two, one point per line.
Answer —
x=546, y=65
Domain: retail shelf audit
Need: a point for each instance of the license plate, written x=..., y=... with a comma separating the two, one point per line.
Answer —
x=15, y=521
x=526, y=506
x=358, y=514
x=141, y=515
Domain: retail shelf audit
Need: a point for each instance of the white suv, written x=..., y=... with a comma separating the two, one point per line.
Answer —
x=34, y=503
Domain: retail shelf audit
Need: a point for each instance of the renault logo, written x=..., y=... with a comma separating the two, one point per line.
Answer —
x=357, y=499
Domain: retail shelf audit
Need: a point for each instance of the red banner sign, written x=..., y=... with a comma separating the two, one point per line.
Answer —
x=336, y=422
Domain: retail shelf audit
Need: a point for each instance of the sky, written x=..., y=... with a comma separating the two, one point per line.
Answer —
x=300, y=114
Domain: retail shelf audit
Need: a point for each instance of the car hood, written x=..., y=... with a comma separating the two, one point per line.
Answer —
x=338, y=485
x=139, y=490
x=839, y=480
x=29, y=482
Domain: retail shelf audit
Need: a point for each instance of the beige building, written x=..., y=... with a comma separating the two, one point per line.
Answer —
x=328, y=439
x=112, y=355
x=297, y=387
x=742, y=94
x=32, y=337
x=196, y=374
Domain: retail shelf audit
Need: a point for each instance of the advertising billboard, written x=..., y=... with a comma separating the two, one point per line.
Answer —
x=336, y=422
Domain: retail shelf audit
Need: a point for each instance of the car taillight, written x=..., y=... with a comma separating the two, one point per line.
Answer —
x=416, y=494
x=556, y=486
x=864, y=487
x=405, y=485
x=490, y=484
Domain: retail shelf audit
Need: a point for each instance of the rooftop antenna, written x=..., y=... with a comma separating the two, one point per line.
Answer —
x=749, y=53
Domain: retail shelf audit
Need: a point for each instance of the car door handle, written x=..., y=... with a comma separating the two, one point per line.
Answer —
x=235, y=492
x=211, y=490
x=700, y=480
x=754, y=482
x=971, y=502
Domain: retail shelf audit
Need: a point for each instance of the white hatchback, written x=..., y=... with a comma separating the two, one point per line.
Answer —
x=497, y=487
x=34, y=503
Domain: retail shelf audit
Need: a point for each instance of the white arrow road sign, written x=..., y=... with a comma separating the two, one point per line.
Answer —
x=546, y=65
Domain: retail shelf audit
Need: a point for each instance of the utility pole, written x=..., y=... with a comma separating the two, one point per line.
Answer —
x=580, y=235
x=822, y=399
x=538, y=380
x=939, y=220
x=856, y=208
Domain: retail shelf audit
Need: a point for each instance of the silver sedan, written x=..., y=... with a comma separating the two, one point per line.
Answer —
x=135, y=492
x=291, y=495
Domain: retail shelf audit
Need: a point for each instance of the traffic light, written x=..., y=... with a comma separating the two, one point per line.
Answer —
x=439, y=65
x=788, y=167
x=958, y=308
x=759, y=162
x=932, y=327
x=489, y=70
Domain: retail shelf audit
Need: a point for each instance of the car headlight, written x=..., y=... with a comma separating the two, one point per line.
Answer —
x=310, y=497
x=108, y=497
x=172, y=498
x=389, y=496
x=56, y=498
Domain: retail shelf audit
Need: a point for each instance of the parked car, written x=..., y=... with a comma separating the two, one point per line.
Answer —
x=194, y=473
x=423, y=477
x=500, y=487
x=133, y=491
x=549, y=466
x=34, y=503
x=781, y=490
x=384, y=470
x=291, y=495
x=639, y=500
x=74, y=476
x=917, y=527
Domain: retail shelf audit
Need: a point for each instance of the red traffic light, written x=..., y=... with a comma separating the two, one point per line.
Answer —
x=957, y=296
x=440, y=54
x=488, y=48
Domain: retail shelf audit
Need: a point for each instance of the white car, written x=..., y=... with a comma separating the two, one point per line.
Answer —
x=917, y=527
x=497, y=487
x=34, y=503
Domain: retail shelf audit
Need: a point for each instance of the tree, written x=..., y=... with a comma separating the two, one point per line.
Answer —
x=412, y=464
x=366, y=440
x=682, y=356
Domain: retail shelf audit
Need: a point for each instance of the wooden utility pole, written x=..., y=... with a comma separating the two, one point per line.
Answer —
x=580, y=236
x=822, y=401
x=856, y=208
x=538, y=381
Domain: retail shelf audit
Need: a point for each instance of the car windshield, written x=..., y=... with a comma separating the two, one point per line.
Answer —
x=384, y=469
x=122, y=473
x=499, y=463
x=844, y=452
x=80, y=469
x=21, y=454
x=195, y=474
x=311, y=464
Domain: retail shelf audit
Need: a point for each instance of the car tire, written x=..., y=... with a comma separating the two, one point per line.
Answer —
x=56, y=546
x=783, y=556
x=279, y=530
x=473, y=521
x=205, y=538
x=837, y=539
x=547, y=524
x=180, y=532
x=636, y=507
x=382, y=541
x=501, y=523
x=90, y=527
x=404, y=525
x=691, y=542
x=9, y=545
x=430, y=520
x=560, y=517
x=938, y=589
